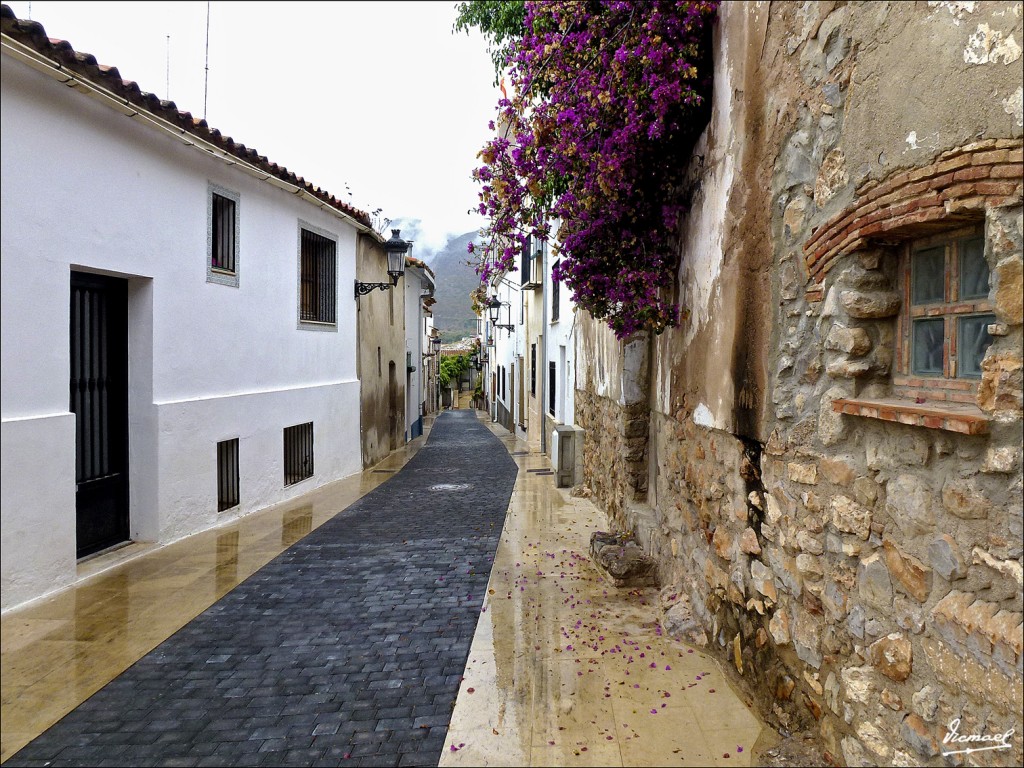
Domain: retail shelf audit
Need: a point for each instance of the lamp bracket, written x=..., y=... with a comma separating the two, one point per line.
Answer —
x=364, y=288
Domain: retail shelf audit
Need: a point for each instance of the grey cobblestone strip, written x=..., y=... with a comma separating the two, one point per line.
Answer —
x=347, y=649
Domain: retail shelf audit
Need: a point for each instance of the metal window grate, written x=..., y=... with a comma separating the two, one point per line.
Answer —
x=298, y=453
x=552, y=380
x=318, y=278
x=554, y=295
x=223, y=256
x=533, y=370
x=227, y=474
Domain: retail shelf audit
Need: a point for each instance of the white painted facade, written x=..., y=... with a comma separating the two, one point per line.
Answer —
x=86, y=188
x=419, y=284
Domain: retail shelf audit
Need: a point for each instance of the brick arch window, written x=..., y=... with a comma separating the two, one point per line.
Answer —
x=939, y=310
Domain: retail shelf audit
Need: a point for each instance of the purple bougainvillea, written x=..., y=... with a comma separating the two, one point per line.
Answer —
x=607, y=100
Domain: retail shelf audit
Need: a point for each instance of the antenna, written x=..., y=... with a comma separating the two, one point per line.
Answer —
x=168, y=87
x=206, y=75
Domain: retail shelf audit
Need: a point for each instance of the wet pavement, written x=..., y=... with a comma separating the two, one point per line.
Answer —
x=563, y=668
x=348, y=647
x=567, y=670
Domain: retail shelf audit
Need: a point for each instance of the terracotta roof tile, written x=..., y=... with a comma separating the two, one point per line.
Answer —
x=84, y=65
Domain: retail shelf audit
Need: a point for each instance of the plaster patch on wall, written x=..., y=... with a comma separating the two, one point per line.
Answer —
x=956, y=8
x=1013, y=105
x=703, y=417
x=987, y=46
x=921, y=142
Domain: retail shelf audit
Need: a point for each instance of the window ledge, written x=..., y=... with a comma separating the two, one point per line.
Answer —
x=952, y=417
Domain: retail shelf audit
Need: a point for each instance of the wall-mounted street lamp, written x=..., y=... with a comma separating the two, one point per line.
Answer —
x=494, y=312
x=395, y=248
x=436, y=344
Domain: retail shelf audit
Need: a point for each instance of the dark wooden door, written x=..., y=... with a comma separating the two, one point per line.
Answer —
x=99, y=400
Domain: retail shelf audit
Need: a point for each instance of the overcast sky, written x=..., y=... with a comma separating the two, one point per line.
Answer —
x=376, y=98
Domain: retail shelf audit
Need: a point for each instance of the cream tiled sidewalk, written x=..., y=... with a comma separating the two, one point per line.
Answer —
x=567, y=670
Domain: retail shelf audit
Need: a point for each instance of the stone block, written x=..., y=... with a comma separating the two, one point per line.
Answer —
x=834, y=600
x=748, y=542
x=763, y=580
x=1010, y=568
x=892, y=655
x=852, y=341
x=722, y=542
x=623, y=560
x=832, y=427
x=807, y=639
x=858, y=684
x=809, y=543
x=1001, y=460
x=965, y=499
x=809, y=566
x=925, y=703
x=870, y=305
x=944, y=555
x=850, y=517
x=838, y=469
x=918, y=736
x=911, y=503
x=1009, y=290
x=802, y=473
x=875, y=742
x=1000, y=391
x=778, y=626
x=912, y=576
x=873, y=583
x=844, y=368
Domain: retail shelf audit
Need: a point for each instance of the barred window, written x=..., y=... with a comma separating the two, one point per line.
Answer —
x=298, y=453
x=318, y=278
x=227, y=474
x=222, y=235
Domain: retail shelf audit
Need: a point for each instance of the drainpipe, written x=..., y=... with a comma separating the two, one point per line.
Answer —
x=546, y=277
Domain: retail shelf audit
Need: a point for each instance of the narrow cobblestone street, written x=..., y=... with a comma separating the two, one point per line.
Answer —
x=348, y=646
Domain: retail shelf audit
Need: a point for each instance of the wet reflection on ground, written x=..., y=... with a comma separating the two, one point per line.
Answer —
x=59, y=651
x=567, y=670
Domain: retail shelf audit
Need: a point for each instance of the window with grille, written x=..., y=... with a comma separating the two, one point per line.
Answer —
x=946, y=308
x=533, y=370
x=222, y=235
x=552, y=381
x=298, y=453
x=554, y=296
x=227, y=474
x=317, y=278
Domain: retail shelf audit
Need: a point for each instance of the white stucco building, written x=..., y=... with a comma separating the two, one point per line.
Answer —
x=419, y=288
x=178, y=322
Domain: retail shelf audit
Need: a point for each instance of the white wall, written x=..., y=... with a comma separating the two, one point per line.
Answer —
x=87, y=188
x=416, y=283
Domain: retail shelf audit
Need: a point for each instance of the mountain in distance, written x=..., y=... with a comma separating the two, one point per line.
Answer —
x=455, y=280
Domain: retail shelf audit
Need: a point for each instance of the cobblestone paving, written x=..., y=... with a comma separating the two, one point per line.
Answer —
x=347, y=649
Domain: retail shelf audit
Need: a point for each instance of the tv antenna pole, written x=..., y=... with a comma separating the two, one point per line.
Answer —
x=206, y=76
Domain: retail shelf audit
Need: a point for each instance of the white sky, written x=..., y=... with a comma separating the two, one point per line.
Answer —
x=378, y=96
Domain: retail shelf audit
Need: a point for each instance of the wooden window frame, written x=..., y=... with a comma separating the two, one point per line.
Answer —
x=950, y=386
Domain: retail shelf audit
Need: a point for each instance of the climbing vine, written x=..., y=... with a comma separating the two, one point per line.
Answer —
x=451, y=368
x=607, y=99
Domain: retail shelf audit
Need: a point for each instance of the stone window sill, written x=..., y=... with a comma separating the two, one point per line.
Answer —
x=953, y=417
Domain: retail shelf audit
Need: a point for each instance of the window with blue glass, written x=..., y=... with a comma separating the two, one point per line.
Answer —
x=947, y=310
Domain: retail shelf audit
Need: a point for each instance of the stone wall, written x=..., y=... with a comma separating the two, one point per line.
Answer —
x=847, y=535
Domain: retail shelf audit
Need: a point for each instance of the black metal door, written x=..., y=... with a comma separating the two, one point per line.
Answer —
x=99, y=400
